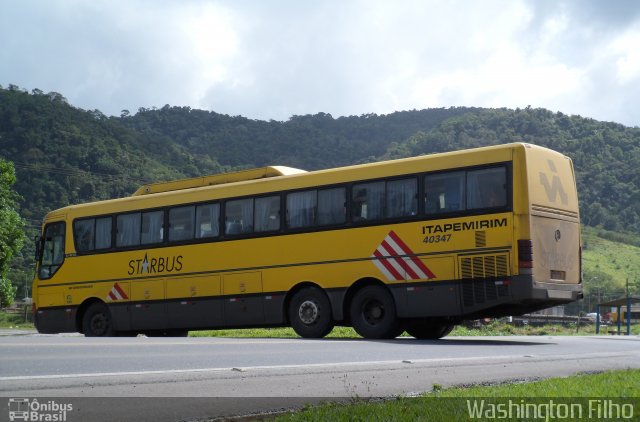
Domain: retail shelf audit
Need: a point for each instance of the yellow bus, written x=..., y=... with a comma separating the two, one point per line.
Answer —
x=417, y=244
x=634, y=315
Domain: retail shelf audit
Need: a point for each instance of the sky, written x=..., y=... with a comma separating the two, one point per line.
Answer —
x=278, y=58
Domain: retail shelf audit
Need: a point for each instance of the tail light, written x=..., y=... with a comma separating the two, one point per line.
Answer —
x=525, y=253
x=580, y=259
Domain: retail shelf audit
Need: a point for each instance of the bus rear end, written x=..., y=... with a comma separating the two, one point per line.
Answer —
x=548, y=242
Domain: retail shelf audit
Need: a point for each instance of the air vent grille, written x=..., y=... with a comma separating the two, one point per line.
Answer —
x=484, y=266
x=482, y=274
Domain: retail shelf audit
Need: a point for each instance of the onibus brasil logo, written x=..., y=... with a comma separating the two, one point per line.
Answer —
x=21, y=409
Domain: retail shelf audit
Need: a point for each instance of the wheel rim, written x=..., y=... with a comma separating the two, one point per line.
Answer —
x=308, y=312
x=99, y=324
x=373, y=312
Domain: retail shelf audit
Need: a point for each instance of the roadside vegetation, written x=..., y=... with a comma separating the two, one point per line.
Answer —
x=453, y=403
x=609, y=259
x=15, y=320
x=495, y=328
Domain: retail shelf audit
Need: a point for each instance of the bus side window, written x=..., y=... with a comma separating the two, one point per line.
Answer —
x=103, y=232
x=181, y=223
x=301, y=209
x=84, y=234
x=152, y=230
x=402, y=198
x=128, y=229
x=444, y=192
x=487, y=188
x=207, y=221
x=267, y=214
x=367, y=201
x=331, y=206
x=239, y=216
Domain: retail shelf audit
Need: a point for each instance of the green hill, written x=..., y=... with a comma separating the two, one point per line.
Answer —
x=605, y=155
x=608, y=264
x=65, y=155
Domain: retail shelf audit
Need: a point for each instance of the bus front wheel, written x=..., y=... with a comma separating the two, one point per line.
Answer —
x=373, y=313
x=310, y=313
x=97, y=322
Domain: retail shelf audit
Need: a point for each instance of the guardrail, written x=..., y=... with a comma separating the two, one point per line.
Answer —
x=535, y=320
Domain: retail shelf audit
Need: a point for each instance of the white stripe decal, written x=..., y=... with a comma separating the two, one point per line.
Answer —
x=383, y=269
x=406, y=260
x=395, y=255
x=116, y=293
x=397, y=265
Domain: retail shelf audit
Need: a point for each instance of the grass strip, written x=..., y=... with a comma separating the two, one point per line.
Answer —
x=492, y=329
x=580, y=397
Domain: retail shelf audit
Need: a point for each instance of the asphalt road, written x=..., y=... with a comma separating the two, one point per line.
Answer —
x=199, y=378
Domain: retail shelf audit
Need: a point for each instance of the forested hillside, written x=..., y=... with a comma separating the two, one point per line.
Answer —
x=67, y=155
x=307, y=142
x=64, y=155
x=606, y=156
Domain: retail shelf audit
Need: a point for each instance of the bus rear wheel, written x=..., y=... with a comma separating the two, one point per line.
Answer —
x=429, y=329
x=373, y=313
x=310, y=313
x=96, y=321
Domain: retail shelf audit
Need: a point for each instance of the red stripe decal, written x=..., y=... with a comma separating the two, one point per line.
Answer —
x=120, y=291
x=387, y=265
x=423, y=267
x=112, y=296
x=412, y=274
x=409, y=252
x=400, y=243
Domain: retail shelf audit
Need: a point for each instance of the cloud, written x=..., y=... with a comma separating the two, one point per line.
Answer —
x=270, y=60
x=112, y=56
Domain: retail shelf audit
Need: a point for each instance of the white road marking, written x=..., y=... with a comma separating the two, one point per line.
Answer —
x=244, y=369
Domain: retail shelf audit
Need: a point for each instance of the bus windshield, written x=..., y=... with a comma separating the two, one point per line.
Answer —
x=52, y=250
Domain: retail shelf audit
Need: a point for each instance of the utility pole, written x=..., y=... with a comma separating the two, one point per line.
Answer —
x=628, y=308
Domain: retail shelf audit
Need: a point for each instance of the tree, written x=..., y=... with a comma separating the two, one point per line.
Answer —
x=11, y=230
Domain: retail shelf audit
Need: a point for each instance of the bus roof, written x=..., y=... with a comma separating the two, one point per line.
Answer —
x=256, y=177
x=217, y=179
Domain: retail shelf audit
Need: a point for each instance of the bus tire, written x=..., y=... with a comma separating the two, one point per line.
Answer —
x=97, y=322
x=429, y=329
x=373, y=313
x=310, y=313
